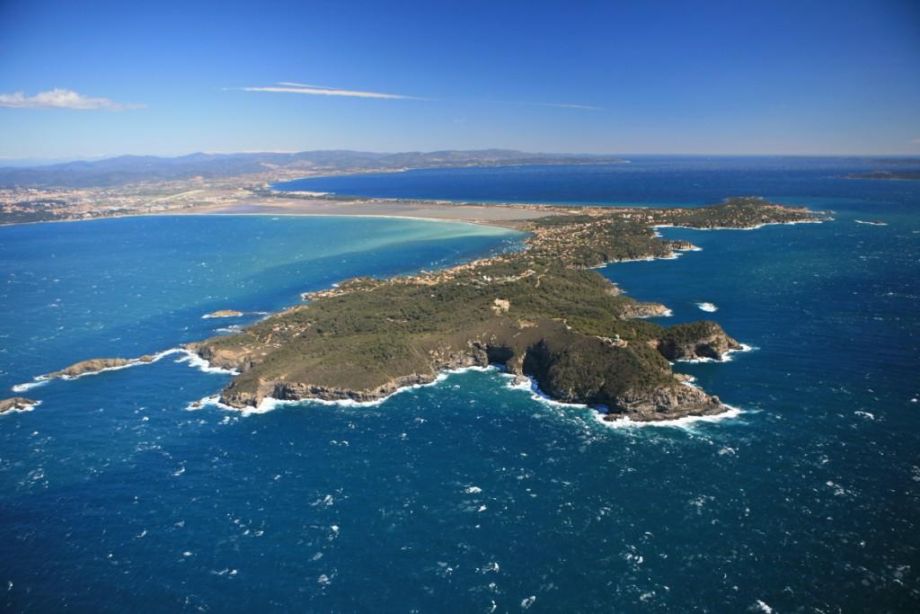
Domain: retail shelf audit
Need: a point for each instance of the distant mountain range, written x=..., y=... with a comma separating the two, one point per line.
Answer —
x=131, y=169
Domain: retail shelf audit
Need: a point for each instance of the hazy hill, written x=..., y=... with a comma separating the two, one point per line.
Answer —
x=129, y=169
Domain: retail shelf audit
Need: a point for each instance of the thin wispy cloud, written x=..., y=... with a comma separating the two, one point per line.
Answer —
x=286, y=87
x=562, y=105
x=62, y=99
x=555, y=105
x=289, y=87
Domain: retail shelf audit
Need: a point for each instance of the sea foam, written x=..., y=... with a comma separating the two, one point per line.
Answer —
x=270, y=403
x=41, y=380
x=755, y=227
x=683, y=422
x=189, y=357
x=21, y=410
x=726, y=357
x=197, y=362
x=528, y=384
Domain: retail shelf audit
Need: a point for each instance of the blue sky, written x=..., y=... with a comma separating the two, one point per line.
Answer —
x=83, y=79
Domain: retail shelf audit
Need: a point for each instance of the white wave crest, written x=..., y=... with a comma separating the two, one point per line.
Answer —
x=667, y=313
x=197, y=362
x=726, y=357
x=755, y=227
x=528, y=384
x=598, y=413
x=41, y=380
x=21, y=410
x=684, y=422
x=672, y=256
x=270, y=403
x=214, y=401
x=137, y=362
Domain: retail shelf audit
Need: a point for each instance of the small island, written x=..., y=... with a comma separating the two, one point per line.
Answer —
x=223, y=313
x=900, y=175
x=17, y=404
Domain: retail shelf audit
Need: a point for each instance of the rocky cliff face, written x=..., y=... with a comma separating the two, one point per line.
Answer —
x=474, y=355
x=630, y=381
x=233, y=359
x=578, y=378
x=666, y=402
x=644, y=310
x=695, y=341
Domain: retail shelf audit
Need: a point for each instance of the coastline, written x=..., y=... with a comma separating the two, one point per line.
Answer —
x=523, y=383
x=187, y=356
x=263, y=198
x=513, y=217
x=579, y=240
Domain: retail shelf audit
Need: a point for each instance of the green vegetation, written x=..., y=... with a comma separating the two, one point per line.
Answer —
x=744, y=212
x=30, y=211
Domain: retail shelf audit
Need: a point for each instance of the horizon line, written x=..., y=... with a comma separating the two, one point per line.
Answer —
x=100, y=157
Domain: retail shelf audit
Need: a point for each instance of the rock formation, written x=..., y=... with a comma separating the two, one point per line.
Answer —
x=16, y=403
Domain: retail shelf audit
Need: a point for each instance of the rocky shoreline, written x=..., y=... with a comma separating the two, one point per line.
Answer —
x=671, y=399
x=94, y=366
x=97, y=365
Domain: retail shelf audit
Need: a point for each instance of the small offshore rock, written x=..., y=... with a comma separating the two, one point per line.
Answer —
x=16, y=403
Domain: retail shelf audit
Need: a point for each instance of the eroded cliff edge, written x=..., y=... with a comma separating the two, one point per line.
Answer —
x=539, y=312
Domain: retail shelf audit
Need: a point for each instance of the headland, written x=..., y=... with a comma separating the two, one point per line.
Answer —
x=540, y=313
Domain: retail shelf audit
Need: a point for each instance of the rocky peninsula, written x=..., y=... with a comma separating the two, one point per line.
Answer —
x=539, y=313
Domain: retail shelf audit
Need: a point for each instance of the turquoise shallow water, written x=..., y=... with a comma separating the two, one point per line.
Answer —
x=125, y=287
x=466, y=495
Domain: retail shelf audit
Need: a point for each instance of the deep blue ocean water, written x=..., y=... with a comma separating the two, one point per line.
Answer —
x=468, y=495
x=645, y=180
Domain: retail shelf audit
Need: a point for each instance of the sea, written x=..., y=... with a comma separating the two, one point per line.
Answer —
x=471, y=494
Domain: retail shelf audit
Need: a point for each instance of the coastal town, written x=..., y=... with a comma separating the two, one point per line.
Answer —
x=38, y=204
x=208, y=183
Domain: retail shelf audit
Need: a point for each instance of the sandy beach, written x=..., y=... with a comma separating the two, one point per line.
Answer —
x=508, y=216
